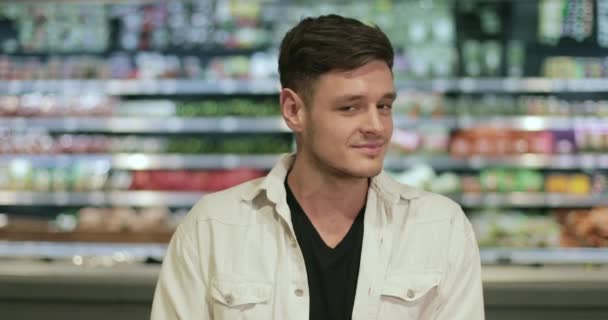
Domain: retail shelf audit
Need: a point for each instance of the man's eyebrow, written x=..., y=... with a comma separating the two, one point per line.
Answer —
x=349, y=97
x=354, y=97
x=390, y=95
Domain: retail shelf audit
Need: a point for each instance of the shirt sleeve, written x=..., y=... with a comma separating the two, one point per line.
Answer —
x=181, y=290
x=462, y=293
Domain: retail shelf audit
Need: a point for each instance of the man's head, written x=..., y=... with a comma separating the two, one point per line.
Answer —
x=337, y=93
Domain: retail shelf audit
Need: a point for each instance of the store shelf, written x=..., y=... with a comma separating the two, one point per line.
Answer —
x=86, y=236
x=69, y=250
x=233, y=124
x=529, y=200
x=141, y=251
x=544, y=256
x=532, y=123
x=147, y=125
x=142, y=87
x=140, y=161
x=271, y=86
x=523, y=85
x=187, y=199
x=100, y=198
x=529, y=161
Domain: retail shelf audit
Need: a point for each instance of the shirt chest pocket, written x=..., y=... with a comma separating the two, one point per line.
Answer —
x=241, y=300
x=409, y=295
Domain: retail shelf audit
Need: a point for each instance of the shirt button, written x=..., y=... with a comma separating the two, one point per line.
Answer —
x=410, y=293
x=299, y=292
x=229, y=299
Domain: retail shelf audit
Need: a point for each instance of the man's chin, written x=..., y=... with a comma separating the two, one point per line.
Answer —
x=367, y=171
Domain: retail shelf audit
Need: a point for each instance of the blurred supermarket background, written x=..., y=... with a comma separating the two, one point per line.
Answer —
x=116, y=116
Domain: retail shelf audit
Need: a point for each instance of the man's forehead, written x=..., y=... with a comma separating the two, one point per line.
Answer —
x=371, y=68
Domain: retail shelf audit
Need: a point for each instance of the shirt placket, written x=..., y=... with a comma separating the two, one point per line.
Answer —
x=374, y=260
x=298, y=295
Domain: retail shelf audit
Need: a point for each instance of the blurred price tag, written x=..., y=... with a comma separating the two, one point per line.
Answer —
x=492, y=200
x=70, y=124
x=467, y=85
x=19, y=124
x=61, y=198
x=440, y=85
x=510, y=85
x=15, y=86
x=168, y=87
x=231, y=161
x=587, y=161
x=148, y=86
x=229, y=124
x=175, y=125
x=228, y=86
x=96, y=198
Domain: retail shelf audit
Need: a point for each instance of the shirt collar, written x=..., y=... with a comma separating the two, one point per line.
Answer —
x=384, y=185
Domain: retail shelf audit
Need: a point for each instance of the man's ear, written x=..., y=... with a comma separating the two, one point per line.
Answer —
x=292, y=109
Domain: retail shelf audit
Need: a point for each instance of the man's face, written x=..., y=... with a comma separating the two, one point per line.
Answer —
x=348, y=123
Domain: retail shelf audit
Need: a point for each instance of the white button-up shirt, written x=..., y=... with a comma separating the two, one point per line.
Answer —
x=236, y=256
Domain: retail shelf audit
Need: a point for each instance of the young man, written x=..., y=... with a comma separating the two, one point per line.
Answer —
x=326, y=234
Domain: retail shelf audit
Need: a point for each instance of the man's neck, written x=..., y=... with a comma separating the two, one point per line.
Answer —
x=323, y=193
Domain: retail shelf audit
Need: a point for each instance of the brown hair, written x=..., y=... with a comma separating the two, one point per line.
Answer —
x=332, y=42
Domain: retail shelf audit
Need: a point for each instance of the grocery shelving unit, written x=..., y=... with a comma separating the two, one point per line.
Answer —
x=143, y=251
x=474, y=66
x=271, y=86
x=188, y=199
x=200, y=87
x=148, y=125
x=143, y=161
x=276, y=124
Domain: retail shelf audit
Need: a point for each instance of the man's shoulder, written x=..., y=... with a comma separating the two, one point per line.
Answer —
x=425, y=205
x=221, y=203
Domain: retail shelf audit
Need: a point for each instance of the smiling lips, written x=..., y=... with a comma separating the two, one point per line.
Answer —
x=372, y=149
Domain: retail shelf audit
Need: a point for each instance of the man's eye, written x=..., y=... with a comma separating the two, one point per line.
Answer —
x=347, y=108
x=385, y=106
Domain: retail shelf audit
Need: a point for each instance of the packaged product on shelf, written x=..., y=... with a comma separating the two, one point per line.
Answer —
x=9, y=105
x=91, y=219
x=42, y=179
x=155, y=219
x=22, y=225
x=147, y=108
x=471, y=184
x=19, y=175
x=435, y=140
x=446, y=183
x=584, y=228
x=565, y=142
x=62, y=179
x=192, y=180
x=509, y=180
x=405, y=141
x=421, y=105
x=5, y=179
x=579, y=184
x=229, y=107
x=592, y=139
x=541, y=142
x=418, y=175
x=90, y=176
x=599, y=183
x=515, y=229
x=576, y=184
x=528, y=181
x=119, y=180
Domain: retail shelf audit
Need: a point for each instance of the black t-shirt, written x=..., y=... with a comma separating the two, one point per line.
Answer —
x=332, y=273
